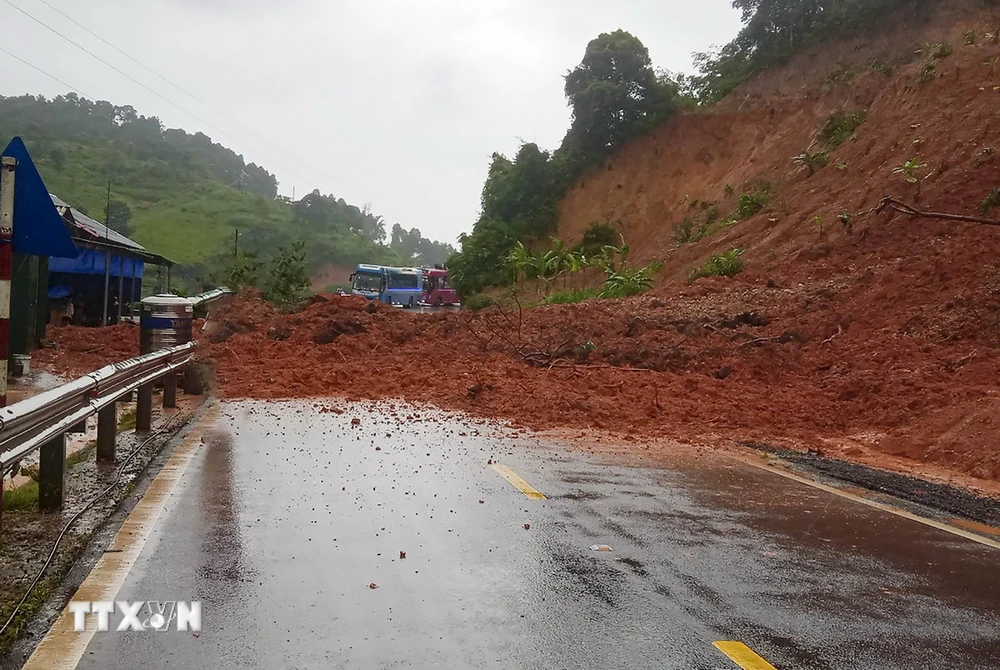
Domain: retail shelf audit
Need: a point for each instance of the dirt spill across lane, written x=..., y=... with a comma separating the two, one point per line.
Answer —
x=702, y=366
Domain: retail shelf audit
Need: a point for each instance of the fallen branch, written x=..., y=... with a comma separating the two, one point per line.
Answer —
x=840, y=331
x=572, y=366
x=963, y=360
x=903, y=208
x=761, y=340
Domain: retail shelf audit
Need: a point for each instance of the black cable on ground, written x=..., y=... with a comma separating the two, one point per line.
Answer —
x=66, y=527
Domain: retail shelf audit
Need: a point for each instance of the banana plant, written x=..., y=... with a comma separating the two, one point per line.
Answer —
x=626, y=282
x=520, y=260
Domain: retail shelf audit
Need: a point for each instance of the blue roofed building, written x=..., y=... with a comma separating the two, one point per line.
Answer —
x=81, y=279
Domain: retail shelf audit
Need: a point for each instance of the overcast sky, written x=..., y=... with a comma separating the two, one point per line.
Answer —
x=395, y=103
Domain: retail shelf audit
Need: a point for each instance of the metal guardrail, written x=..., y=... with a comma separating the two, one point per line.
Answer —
x=41, y=422
x=209, y=296
x=28, y=425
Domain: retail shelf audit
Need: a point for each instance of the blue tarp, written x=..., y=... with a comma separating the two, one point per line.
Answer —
x=38, y=228
x=91, y=262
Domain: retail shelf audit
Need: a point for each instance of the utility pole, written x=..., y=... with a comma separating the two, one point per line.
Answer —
x=107, y=255
x=9, y=166
x=236, y=244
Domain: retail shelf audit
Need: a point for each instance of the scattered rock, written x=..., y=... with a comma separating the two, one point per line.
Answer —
x=230, y=327
x=723, y=372
x=279, y=334
x=337, y=328
x=197, y=379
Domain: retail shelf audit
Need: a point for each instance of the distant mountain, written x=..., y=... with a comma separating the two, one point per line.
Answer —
x=184, y=196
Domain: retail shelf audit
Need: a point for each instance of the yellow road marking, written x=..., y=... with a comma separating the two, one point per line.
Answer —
x=743, y=656
x=877, y=505
x=62, y=647
x=521, y=485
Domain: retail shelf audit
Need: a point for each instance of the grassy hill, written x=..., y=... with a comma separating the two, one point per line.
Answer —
x=188, y=196
x=186, y=218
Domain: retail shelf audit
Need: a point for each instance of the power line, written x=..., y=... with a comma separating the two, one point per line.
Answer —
x=194, y=97
x=50, y=76
x=130, y=77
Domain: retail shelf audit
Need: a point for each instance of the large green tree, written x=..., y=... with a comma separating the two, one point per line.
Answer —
x=614, y=93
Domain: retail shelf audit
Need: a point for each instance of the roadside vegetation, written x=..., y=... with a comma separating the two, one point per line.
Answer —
x=282, y=278
x=555, y=266
x=546, y=274
x=837, y=129
x=728, y=264
x=615, y=95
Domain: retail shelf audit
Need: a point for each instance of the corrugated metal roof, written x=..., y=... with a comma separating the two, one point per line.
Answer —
x=95, y=229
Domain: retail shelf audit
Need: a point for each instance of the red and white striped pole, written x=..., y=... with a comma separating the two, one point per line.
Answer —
x=9, y=164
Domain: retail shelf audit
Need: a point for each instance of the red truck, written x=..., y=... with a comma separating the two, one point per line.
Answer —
x=437, y=291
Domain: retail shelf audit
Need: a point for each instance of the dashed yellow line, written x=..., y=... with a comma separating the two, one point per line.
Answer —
x=743, y=656
x=518, y=483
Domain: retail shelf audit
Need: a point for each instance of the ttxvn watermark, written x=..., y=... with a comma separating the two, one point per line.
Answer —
x=139, y=615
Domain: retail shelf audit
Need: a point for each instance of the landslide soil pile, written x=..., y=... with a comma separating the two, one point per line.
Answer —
x=718, y=359
x=78, y=350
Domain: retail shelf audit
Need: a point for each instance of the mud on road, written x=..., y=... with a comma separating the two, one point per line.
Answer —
x=719, y=362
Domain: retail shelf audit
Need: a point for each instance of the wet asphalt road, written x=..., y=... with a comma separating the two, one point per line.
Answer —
x=287, y=515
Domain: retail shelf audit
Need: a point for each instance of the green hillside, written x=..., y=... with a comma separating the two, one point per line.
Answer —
x=185, y=197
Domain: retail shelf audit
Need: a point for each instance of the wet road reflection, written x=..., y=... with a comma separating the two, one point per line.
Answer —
x=290, y=524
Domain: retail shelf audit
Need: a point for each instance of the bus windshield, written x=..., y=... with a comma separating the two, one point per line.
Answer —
x=401, y=281
x=366, y=282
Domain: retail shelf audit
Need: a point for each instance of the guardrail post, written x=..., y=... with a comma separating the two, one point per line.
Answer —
x=107, y=431
x=170, y=389
x=144, y=408
x=52, y=474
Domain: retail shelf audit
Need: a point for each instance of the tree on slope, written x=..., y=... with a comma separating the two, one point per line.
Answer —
x=614, y=93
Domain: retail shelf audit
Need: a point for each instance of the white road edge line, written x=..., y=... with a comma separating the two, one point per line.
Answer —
x=975, y=537
x=62, y=647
